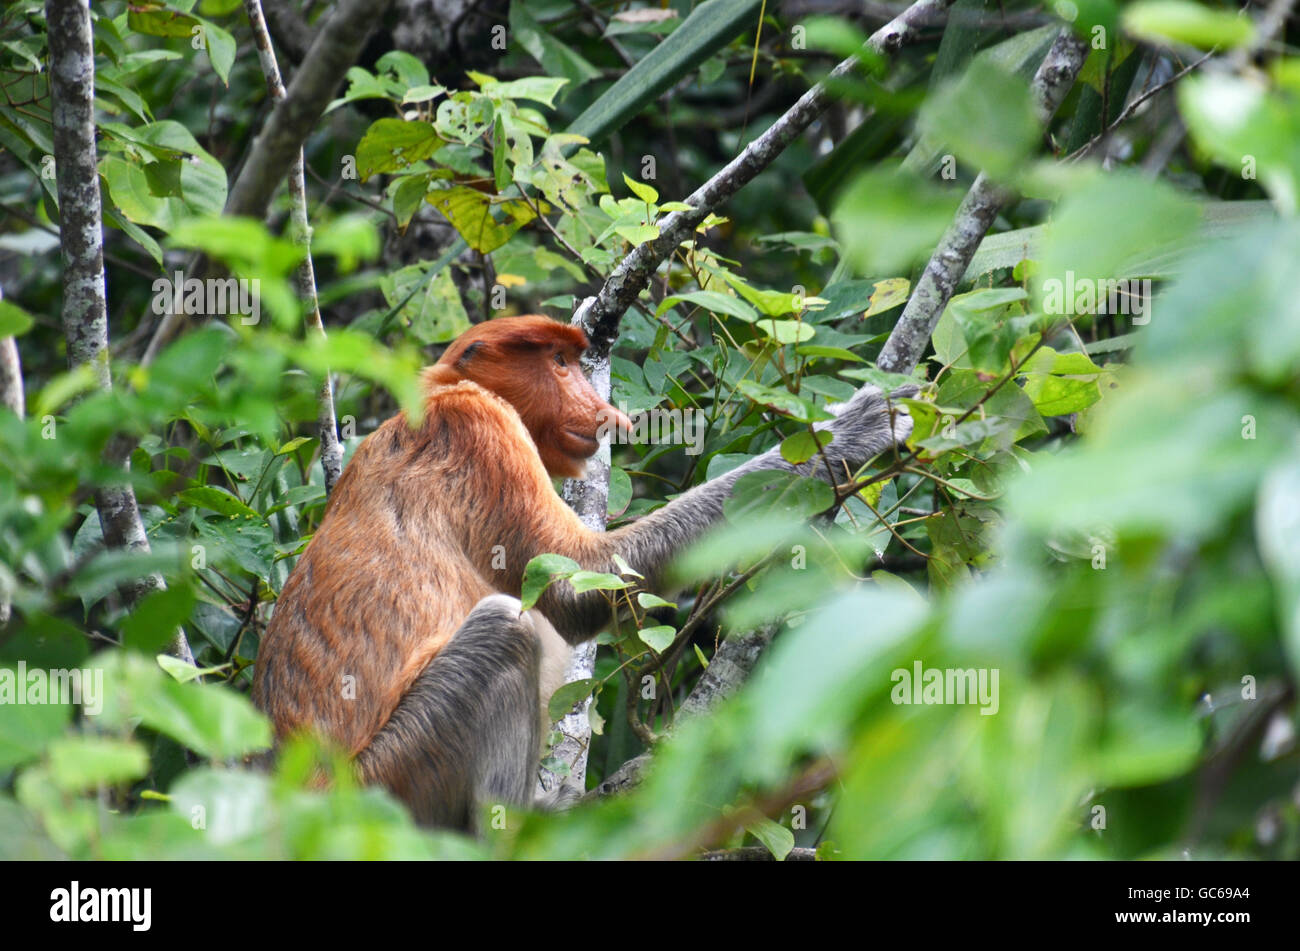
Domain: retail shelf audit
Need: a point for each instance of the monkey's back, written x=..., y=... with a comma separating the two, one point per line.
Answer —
x=379, y=590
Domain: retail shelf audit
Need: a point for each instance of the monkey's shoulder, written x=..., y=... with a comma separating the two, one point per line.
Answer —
x=461, y=420
x=474, y=408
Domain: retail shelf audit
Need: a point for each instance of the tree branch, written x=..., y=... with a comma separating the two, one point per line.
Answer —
x=947, y=266
x=338, y=43
x=588, y=497
x=633, y=273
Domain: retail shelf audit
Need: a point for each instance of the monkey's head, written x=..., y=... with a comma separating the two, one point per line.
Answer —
x=532, y=363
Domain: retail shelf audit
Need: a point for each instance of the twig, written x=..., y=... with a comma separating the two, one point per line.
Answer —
x=1086, y=149
x=331, y=451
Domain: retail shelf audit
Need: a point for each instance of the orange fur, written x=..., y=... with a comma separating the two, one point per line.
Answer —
x=416, y=528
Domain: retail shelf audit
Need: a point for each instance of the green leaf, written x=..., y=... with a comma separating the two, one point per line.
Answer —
x=362, y=84
x=540, y=572
x=1277, y=526
x=425, y=298
x=620, y=491
x=886, y=221
x=624, y=568
x=987, y=327
x=408, y=69
x=1146, y=744
x=1138, y=212
x=537, y=88
x=596, y=581
x=1156, y=258
x=221, y=50
x=14, y=321
x=709, y=28
x=216, y=499
x=153, y=622
x=210, y=719
x=643, y=191
x=803, y=445
x=658, y=638
x=555, y=57
x=464, y=117
x=292, y=445
x=569, y=696
x=1248, y=130
x=777, y=839
x=782, y=401
x=1182, y=21
x=830, y=353
x=183, y=672
x=769, y=493
x=472, y=214
x=130, y=192
x=747, y=540
x=391, y=145
x=888, y=294
x=970, y=433
x=26, y=728
x=1058, y=396
x=408, y=193
x=85, y=762
x=153, y=18
x=787, y=331
x=500, y=171
x=648, y=601
x=987, y=117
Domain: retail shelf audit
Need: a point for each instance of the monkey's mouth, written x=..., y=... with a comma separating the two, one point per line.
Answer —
x=586, y=445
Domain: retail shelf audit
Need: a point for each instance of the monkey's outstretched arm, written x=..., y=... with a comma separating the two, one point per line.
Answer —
x=864, y=428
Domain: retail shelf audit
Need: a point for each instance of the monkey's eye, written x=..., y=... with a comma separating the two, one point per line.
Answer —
x=560, y=361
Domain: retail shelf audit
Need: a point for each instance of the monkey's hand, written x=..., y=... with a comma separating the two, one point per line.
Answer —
x=868, y=425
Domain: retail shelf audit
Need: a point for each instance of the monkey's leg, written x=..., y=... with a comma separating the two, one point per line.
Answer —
x=467, y=731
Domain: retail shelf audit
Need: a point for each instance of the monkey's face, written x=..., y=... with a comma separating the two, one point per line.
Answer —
x=532, y=363
x=568, y=422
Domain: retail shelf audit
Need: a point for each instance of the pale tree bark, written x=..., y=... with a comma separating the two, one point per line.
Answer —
x=11, y=378
x=588, y=497
x=331, y=451
x=85, y=305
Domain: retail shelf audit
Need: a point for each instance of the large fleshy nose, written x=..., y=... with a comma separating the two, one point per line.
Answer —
x=611, y=419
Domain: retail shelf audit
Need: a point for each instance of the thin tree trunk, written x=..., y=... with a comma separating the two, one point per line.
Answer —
x=85, y=305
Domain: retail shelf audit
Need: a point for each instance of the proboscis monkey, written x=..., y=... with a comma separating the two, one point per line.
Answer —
x=399, y=633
